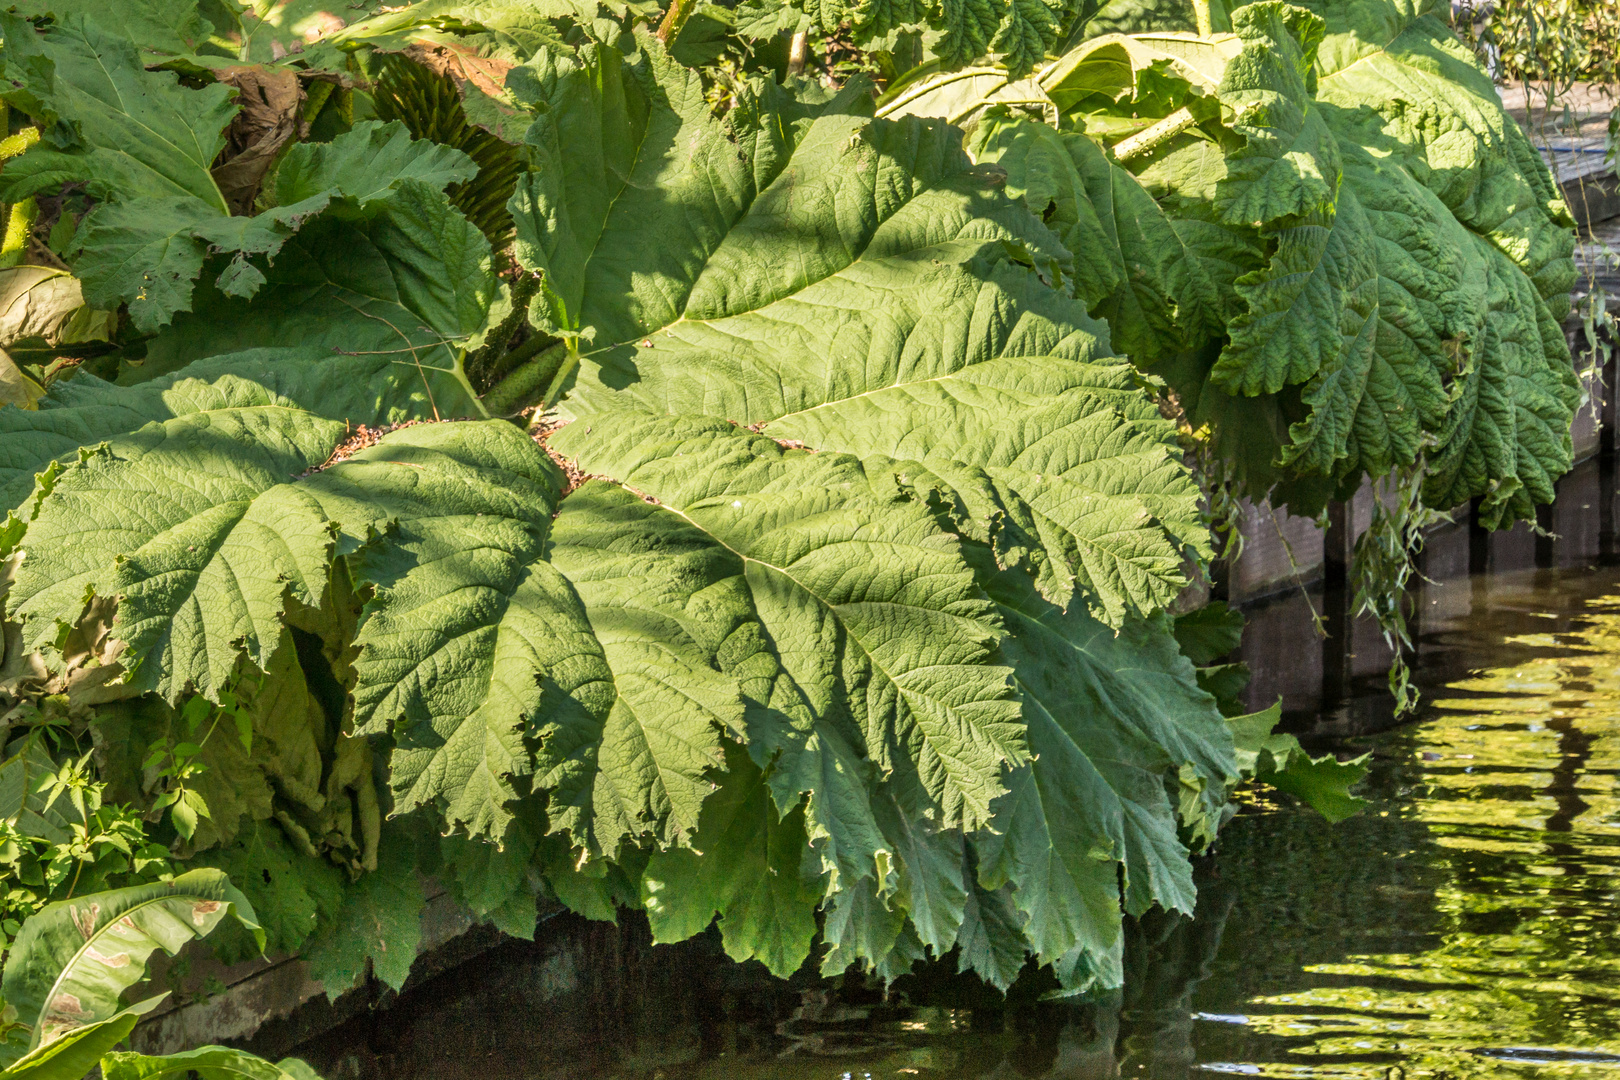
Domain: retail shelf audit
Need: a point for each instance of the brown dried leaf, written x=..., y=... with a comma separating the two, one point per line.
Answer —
x=463, y=65
x=541, y=430
x=269, y=117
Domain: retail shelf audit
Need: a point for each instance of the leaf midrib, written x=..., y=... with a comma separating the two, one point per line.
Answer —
x=89, y=943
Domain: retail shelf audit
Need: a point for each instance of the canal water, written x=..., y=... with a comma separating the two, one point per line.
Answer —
x=1464, y=925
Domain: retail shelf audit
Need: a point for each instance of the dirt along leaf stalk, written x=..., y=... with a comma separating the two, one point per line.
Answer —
x=1156, y=135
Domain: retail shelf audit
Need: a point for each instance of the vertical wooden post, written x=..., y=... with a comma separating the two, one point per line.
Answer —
x=1338, y=544
x=1479, y=541
x=1544, y=536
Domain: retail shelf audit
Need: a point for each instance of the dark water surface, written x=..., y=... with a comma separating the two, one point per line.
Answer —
x=1465, y=925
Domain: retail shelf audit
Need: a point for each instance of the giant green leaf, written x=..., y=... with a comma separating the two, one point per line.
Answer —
x=133, y=132
x=194, y=524
x=644, y=211
x=203, y=529
x=844, y=611
x=1158, y=283
x=85, y=410
x=1112, y=719
x=196, y=521
x=467, y=618
x=155, y=26
x=411, y=284
x=145, y=146
x=744, y=866
x=1288, y=166
x=844, y=311
x=1061, y=458
x=1441, y=118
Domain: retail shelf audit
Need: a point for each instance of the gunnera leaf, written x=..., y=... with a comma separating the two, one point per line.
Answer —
x=84, y=410
x=917, y=278
x=746, y=868
x=161, y=27
x=193, y=524
x=1111, y=720
x=748, y=556
x=1435, y=110
x=410, y=283
x=380, y=921
x=1048, y=446
x=1158, y=283
x=645, y=211
x=144, y=145
x=1392, y=296
x=466, y=615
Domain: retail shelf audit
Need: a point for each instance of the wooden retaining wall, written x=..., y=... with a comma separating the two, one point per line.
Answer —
x=275, y=1002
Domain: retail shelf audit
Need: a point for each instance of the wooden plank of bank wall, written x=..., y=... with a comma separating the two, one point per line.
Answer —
x=275, y=1002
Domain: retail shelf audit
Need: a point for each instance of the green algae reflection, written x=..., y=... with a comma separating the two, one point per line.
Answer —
x=1475, y=918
